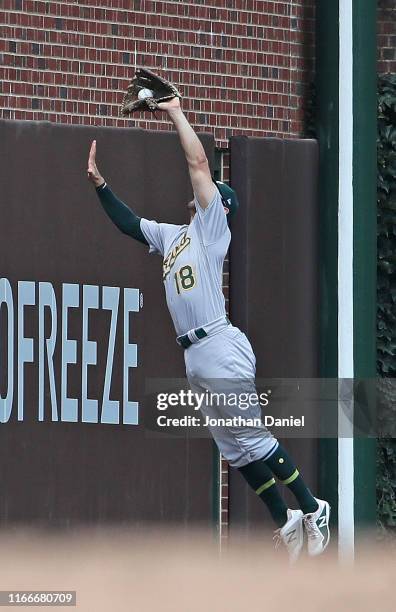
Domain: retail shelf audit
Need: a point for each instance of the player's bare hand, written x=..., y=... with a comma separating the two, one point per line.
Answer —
x=93, y=173
x=171, y=106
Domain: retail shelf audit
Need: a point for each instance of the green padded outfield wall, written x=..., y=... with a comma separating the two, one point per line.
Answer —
x=274, y=272
x=67, y=275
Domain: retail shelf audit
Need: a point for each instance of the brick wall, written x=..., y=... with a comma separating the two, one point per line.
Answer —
x=241, y=64
x=386, y=36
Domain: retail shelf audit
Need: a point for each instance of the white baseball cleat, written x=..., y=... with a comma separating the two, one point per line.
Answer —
x=291, y=534
x=317, y=528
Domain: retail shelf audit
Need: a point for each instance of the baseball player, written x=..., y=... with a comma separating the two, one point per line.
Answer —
x=218, y=356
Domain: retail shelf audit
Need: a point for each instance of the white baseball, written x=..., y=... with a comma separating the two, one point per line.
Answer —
x=145, y=93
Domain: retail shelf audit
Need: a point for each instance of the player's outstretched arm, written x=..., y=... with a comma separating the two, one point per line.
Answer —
x=121, y=215
x=92, y=171
x=198, y=165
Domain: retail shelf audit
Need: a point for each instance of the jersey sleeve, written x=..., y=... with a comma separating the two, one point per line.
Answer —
x=158, y=235
x=212, y=220
x=154, y=234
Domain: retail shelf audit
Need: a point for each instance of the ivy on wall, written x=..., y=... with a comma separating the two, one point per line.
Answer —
x=386, y=303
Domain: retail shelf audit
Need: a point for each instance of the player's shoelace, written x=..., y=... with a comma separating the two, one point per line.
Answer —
x=311, y=527
x=277, y=538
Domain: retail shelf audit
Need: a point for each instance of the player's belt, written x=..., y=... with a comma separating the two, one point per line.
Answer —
x=194, y=335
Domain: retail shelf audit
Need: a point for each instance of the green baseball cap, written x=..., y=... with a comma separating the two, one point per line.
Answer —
x=229, y=197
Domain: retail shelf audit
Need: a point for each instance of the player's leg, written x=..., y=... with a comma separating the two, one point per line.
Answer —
x=284, y=468
x=290, y=529
x=233, y=449
x=261, y=480
x=241, y=446
x=236, y=445
x=232, y=365
x=316, y=511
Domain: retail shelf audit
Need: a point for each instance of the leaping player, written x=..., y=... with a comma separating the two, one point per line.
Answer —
x=216, y=353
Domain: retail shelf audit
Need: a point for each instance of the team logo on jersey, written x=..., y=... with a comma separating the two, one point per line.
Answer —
x=174, y=254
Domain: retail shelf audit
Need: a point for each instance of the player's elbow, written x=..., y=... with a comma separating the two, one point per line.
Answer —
x=198, y=162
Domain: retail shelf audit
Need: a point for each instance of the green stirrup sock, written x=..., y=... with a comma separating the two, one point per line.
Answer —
x=283, y=467
x=260, y=478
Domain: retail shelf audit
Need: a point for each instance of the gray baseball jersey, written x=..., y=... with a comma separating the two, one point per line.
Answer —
x=193, y=264
x=192, y=272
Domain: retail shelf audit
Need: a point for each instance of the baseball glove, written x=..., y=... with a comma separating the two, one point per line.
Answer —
x=163, y=91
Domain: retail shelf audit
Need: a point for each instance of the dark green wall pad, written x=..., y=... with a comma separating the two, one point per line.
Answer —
x=274, y=271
